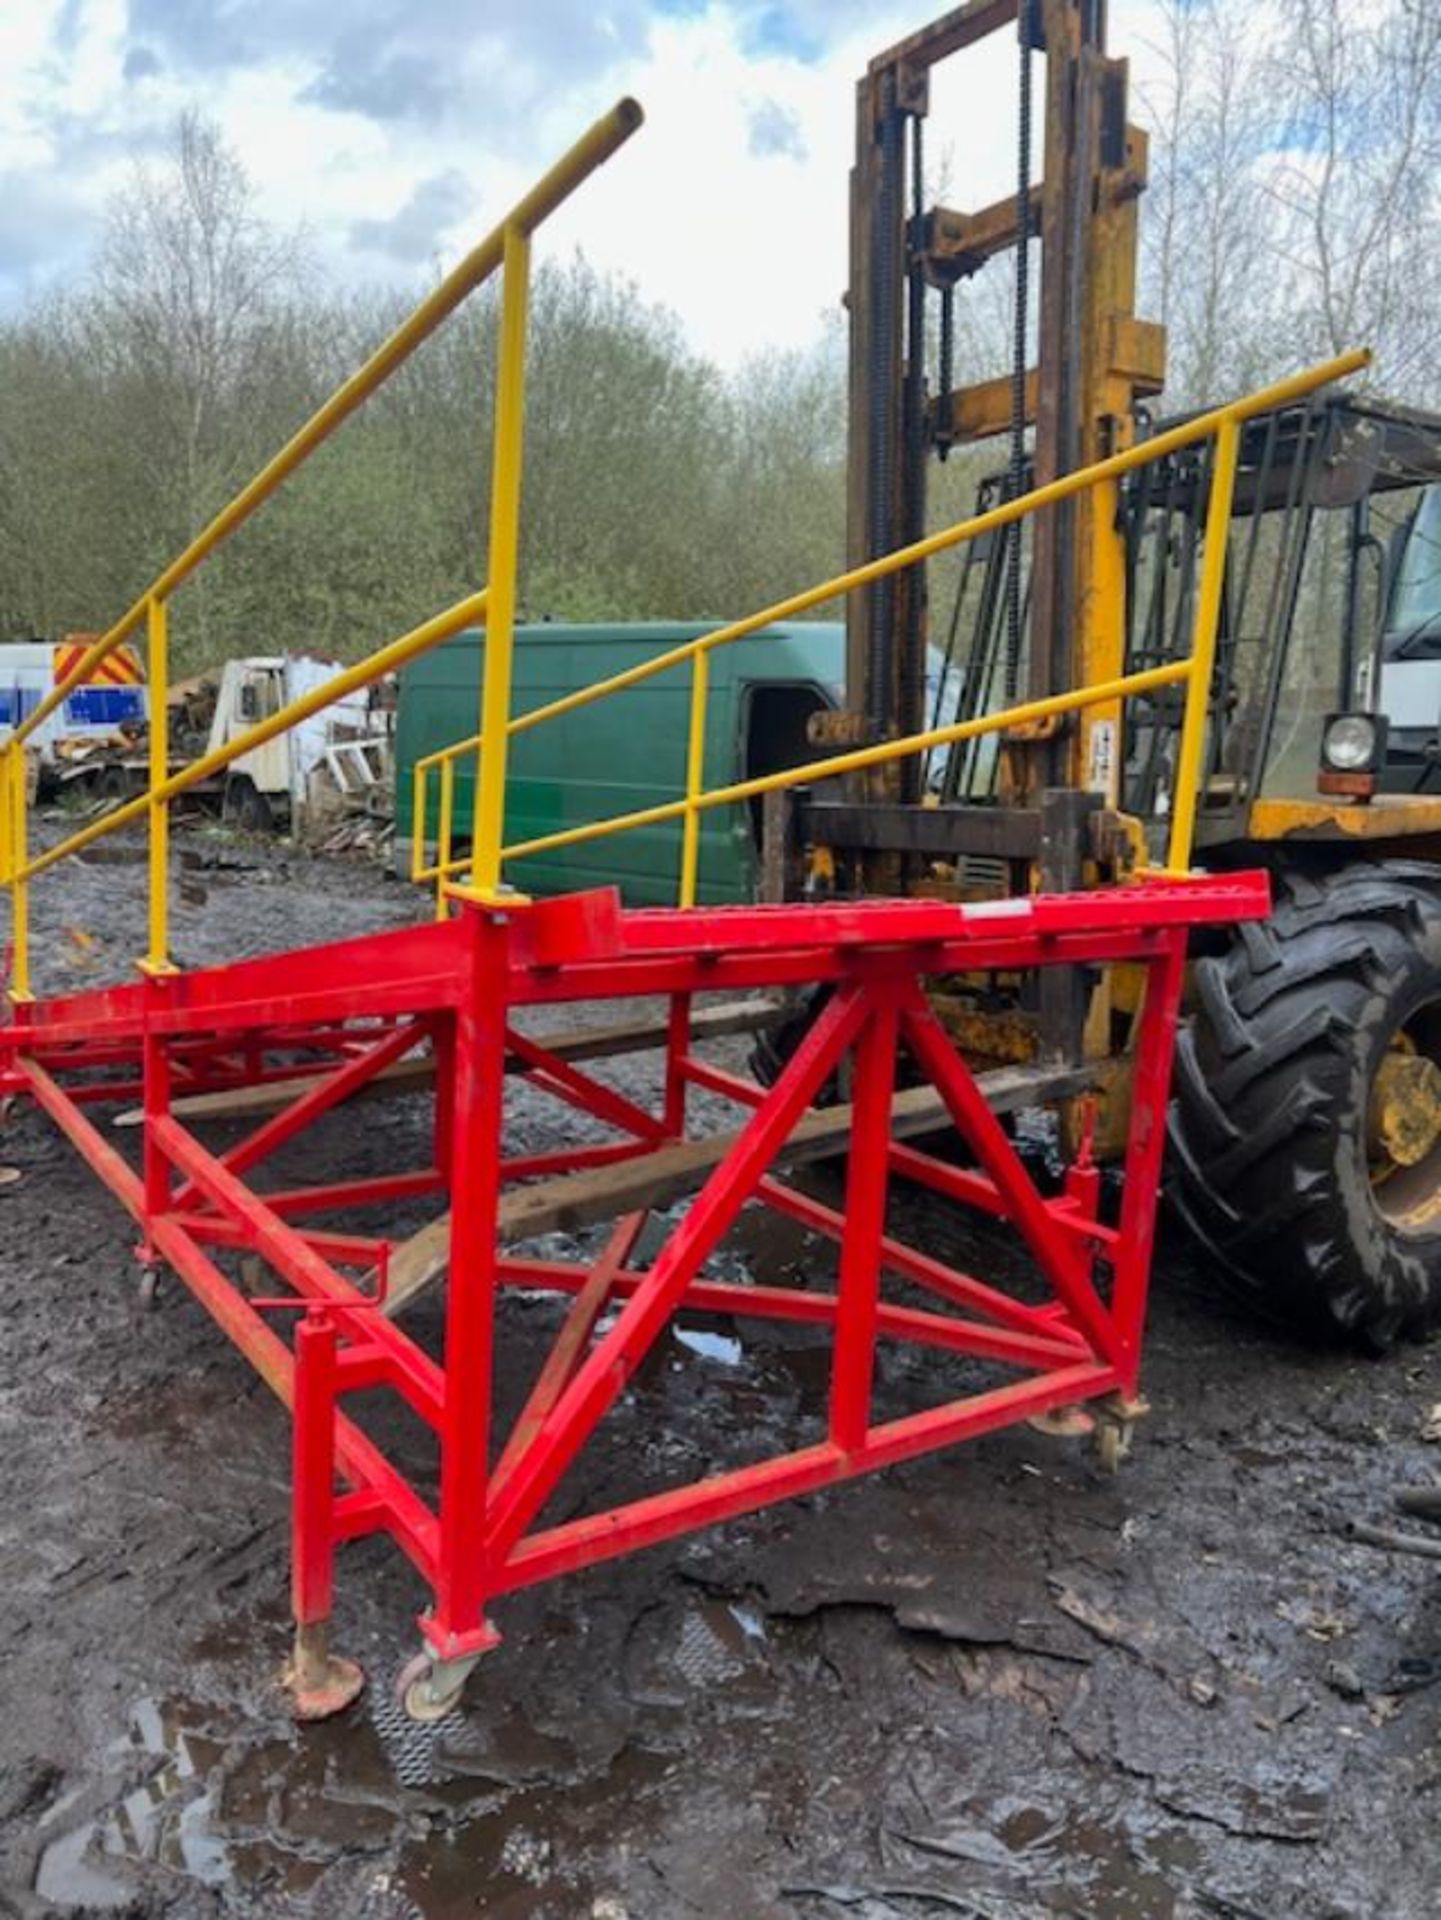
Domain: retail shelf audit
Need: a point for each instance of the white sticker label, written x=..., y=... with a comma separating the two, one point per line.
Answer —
x=1101, y=774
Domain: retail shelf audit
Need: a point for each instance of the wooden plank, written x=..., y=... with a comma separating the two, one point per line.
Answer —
x=414, y=1076
x=577, y=1200
x=253, y=1103
x=569, y=1349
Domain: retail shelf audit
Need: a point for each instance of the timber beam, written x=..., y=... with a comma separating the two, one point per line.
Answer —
x=667, y=1174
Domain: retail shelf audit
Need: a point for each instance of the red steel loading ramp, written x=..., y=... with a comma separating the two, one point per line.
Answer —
x=303, y=1031
x=352, y=1010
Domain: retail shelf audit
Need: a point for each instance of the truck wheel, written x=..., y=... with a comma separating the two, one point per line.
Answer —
x=1306, y=1127
x=246, y=807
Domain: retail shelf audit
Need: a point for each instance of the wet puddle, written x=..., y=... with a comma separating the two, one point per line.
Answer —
x=1066, y=1862
x=219, y=1807
x=722, y=1348
x=166, y=1820
x=504, y=1816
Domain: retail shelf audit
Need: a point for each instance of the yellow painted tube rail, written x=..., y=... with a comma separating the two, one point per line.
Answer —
x=465, y=613
x=507, y=247
x=859, y=758
x=594, y=147
x=1203, y=427
x=1223, y=424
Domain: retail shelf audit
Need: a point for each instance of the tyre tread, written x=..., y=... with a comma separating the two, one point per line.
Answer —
x=1264, y=1082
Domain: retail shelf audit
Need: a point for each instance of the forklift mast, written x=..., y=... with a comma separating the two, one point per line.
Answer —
x=1306, y=1126
x=1094, y=361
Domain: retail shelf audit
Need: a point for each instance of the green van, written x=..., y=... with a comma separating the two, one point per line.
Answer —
x=621, y=753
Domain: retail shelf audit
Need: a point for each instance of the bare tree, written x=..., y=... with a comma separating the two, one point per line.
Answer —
x=1294, y=210
x=1359, y=87
x=191, y=318
x=1208, y=272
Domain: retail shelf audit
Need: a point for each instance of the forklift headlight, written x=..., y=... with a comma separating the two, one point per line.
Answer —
x=1350, y=743
x=1353, y=752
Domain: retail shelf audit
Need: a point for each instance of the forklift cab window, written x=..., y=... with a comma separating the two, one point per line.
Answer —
x=1414, y=626
x=1310, y=646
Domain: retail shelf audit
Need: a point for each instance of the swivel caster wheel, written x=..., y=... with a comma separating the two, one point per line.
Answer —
x=148, y=1290
x=428, y=1689
x=1112, y=1443
x=1116, y=1418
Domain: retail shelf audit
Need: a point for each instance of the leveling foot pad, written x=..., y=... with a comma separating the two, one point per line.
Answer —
x=495, y=1511
x=320, y=1683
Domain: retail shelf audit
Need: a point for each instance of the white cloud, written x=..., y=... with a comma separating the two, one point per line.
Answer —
x=744, y=237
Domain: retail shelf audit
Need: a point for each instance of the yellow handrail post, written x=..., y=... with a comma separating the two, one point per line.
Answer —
x=19, y=879
x=491, y=755
x=418, y=822
x=694, y=777
x=443, y=830
x=468, y=612
x=157, y=959
x=1186, y=793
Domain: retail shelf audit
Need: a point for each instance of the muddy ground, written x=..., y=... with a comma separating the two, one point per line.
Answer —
x=994, y=1683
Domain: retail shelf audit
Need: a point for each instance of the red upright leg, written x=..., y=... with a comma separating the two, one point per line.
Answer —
x=1150, y=1088
x=320, y=1682
x=867, y=1174
x=443, y=1045
x=155, y=1067
x=458, y=1628
x=677, y=1046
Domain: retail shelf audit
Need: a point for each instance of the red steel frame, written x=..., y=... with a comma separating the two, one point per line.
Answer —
x=354, y=1008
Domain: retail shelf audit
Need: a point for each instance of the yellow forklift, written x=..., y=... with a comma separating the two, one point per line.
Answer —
x=1306, y=1123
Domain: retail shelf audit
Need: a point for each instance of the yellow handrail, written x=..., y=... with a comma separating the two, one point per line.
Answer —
x=464, y=613
x=507, y=247
x=859, y=758
x=594, y=147
x=1221, y=423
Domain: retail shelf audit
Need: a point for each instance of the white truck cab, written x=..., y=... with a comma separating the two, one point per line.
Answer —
x=343, y=746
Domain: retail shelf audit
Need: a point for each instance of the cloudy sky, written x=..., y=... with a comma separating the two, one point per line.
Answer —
x=397, y=130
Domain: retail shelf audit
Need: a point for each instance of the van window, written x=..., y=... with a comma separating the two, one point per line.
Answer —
x=776, y=721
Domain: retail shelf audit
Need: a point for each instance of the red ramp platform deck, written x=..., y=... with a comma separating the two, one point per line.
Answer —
x=323, y=1023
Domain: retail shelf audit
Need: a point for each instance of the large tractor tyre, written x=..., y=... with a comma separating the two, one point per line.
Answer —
x=1306, y=1124
x=774, y=1044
